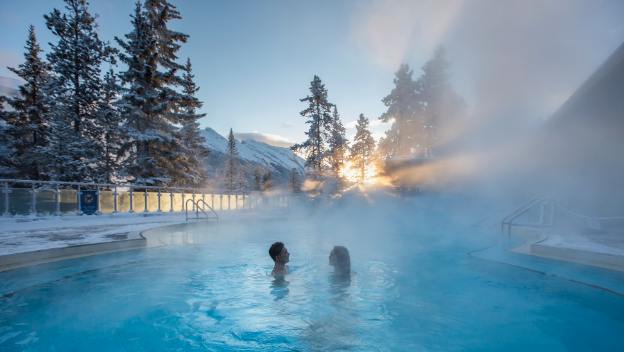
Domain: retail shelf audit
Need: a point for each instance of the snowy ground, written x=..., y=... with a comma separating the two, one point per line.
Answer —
x=609, y=243
x=25, y=234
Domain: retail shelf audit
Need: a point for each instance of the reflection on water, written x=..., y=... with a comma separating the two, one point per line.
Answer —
x=279, y=287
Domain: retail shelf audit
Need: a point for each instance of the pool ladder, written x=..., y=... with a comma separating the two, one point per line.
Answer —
x=200, y=206
x=546, y=209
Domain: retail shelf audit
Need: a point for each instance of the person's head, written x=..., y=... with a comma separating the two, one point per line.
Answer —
x=279, y=253
x=340, y=260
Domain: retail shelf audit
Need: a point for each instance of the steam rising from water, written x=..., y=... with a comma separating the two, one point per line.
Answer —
x=515, y=63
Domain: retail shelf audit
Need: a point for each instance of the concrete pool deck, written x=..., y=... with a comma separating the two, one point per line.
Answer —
x=26, y=241
x=599, y=250
x=590, y=260
x=33, y=240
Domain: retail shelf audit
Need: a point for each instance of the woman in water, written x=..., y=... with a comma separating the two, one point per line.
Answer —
x=340, y=260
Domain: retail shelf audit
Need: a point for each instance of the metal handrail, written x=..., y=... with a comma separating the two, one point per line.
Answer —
x=508, y=221
x=186, y=209
x=197, y=209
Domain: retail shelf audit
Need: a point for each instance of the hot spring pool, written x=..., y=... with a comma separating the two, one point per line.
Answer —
x=414, y=288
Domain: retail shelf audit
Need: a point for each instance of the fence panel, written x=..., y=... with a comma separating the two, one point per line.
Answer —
x=165, y=202
x=68, y=200
x=20, y=201
x=106, y=202
x=152, y=202
x=46, y=201
x=123, y=201
x=177, y=202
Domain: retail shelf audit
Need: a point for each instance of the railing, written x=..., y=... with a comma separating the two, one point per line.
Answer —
x=30, y=197
x=197, y=208
x=546, y=215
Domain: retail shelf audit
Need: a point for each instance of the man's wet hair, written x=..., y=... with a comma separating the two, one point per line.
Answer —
x=339, y=257
x=275, y=250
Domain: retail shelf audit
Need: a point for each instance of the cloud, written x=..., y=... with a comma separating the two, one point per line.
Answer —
x=268, y=138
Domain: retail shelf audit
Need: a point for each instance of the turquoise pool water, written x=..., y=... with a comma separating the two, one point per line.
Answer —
x=414, y=288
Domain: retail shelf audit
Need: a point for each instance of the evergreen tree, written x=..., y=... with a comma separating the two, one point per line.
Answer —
x=338, y=143
x=7, y=168
x=258, y=179
x=267, y=181
x=110, y=120
x=363, y=146
x=405, y=108
x=75, y=88
x=319, y=119
x=232, y=176
x=442, y=106
x=29, y=118
x=152, y=102
x=167, y=42
x=171, y=95
x=192, y=141
x=147, y=132
x=294, y=181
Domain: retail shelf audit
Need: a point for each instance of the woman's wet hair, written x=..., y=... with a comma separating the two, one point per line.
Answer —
x=275, y=250
x=339, y=258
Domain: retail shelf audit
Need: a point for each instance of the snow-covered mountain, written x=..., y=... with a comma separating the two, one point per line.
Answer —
x=8, y=86
x=253, y=154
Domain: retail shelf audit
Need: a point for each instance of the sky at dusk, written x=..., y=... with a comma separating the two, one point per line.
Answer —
x=254, y=60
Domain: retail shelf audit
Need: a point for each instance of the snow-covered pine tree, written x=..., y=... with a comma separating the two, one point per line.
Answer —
x=294, y=181
x=152, y=100
x=363, y=146
x=319, y=118
x=110, y=120
x=338, y=143
x=232, y=172
x=7, y=168
x=75, y=88
x=267, y=181
x=192, y=141
x=148, y=133
x=405, y=108
x=168, y=42
x=443, y=106
x=258, y=178
x=28, y=124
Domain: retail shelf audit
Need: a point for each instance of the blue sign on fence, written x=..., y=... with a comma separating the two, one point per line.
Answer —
x=89, y=202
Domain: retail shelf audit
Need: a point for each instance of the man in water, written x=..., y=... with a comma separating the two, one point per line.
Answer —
x=340, y=260
x=281, y=257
